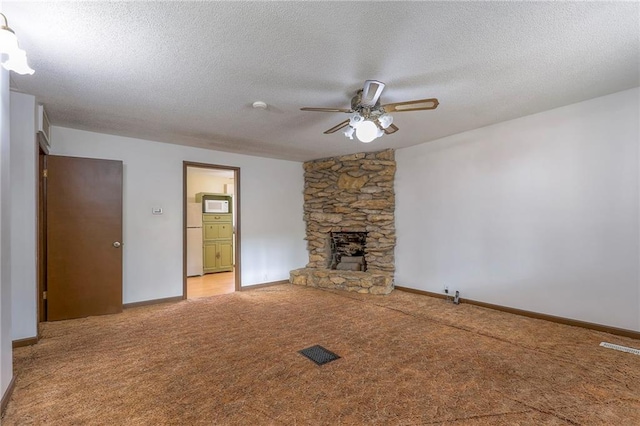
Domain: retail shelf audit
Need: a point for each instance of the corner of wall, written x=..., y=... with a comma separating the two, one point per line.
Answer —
x=6, y=350
x=23, y=205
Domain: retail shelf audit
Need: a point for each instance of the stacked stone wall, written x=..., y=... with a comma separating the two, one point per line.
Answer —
x=352, y=193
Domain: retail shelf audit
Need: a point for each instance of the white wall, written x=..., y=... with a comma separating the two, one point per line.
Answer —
x=272, y=225
x=24, y=169
x=6, y=362
x=539, y=213
x=198, y=180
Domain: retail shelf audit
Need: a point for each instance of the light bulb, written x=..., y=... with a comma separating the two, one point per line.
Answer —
x=367, y=131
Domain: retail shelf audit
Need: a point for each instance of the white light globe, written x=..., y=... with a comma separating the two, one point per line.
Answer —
x=8, y=42
x=385, y=120
x=13, y=58
x=349, y=132
x=18, y=62
x=367, y=131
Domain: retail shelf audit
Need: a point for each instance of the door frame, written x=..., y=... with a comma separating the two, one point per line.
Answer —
x=41, y=226
x=237, y=211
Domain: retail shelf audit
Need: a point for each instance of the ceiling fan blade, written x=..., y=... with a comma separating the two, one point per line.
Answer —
x=418, y=105
x=391, y=129
x=345, y=123
x=326, y=109
x=371, y=92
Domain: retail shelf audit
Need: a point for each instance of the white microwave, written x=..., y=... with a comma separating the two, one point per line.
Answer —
x=216, y=206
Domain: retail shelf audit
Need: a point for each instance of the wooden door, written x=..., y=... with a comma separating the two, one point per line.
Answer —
x=84, y=236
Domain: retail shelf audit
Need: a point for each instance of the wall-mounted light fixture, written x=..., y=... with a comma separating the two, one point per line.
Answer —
x=13, y=58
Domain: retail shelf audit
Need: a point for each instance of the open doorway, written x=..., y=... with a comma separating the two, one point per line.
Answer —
x=211, y=230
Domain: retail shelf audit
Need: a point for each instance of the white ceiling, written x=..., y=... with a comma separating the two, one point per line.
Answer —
x=188, y=72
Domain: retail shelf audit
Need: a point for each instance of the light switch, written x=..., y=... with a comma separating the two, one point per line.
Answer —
x=156, y=210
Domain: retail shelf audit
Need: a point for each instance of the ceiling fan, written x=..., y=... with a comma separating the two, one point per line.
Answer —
x=369, y=119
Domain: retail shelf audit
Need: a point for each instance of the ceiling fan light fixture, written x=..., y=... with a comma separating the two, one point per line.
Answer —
x=385, y=120
x=369, y=119
x=355, y=120
x=367, y=131
x=8, y=39
x=348, y=132
x=17, y=62
x=13, y=58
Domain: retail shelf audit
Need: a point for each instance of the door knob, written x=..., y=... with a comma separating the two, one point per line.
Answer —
x=117, y=244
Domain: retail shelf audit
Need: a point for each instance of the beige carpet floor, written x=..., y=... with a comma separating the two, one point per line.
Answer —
x=405, y=359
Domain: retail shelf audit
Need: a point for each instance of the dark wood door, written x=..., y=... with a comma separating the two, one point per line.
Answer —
x=84, y=237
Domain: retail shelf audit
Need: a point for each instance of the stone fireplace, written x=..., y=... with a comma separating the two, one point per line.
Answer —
x=349, y=206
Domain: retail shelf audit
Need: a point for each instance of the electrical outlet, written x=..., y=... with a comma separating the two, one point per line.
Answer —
x=446, y=289
x=266, y=276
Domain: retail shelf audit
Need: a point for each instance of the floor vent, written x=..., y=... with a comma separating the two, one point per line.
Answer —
x=319, y=355
x=620, y=348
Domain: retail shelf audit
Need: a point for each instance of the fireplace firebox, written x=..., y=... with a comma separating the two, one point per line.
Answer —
x=348, y=251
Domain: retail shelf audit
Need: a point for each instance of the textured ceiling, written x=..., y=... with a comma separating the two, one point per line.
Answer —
x=188, y=72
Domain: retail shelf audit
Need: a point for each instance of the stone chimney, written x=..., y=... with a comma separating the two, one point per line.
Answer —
x=352, y=193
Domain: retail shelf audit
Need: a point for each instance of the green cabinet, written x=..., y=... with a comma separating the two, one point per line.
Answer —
x=214, y=231
x=217, y=242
